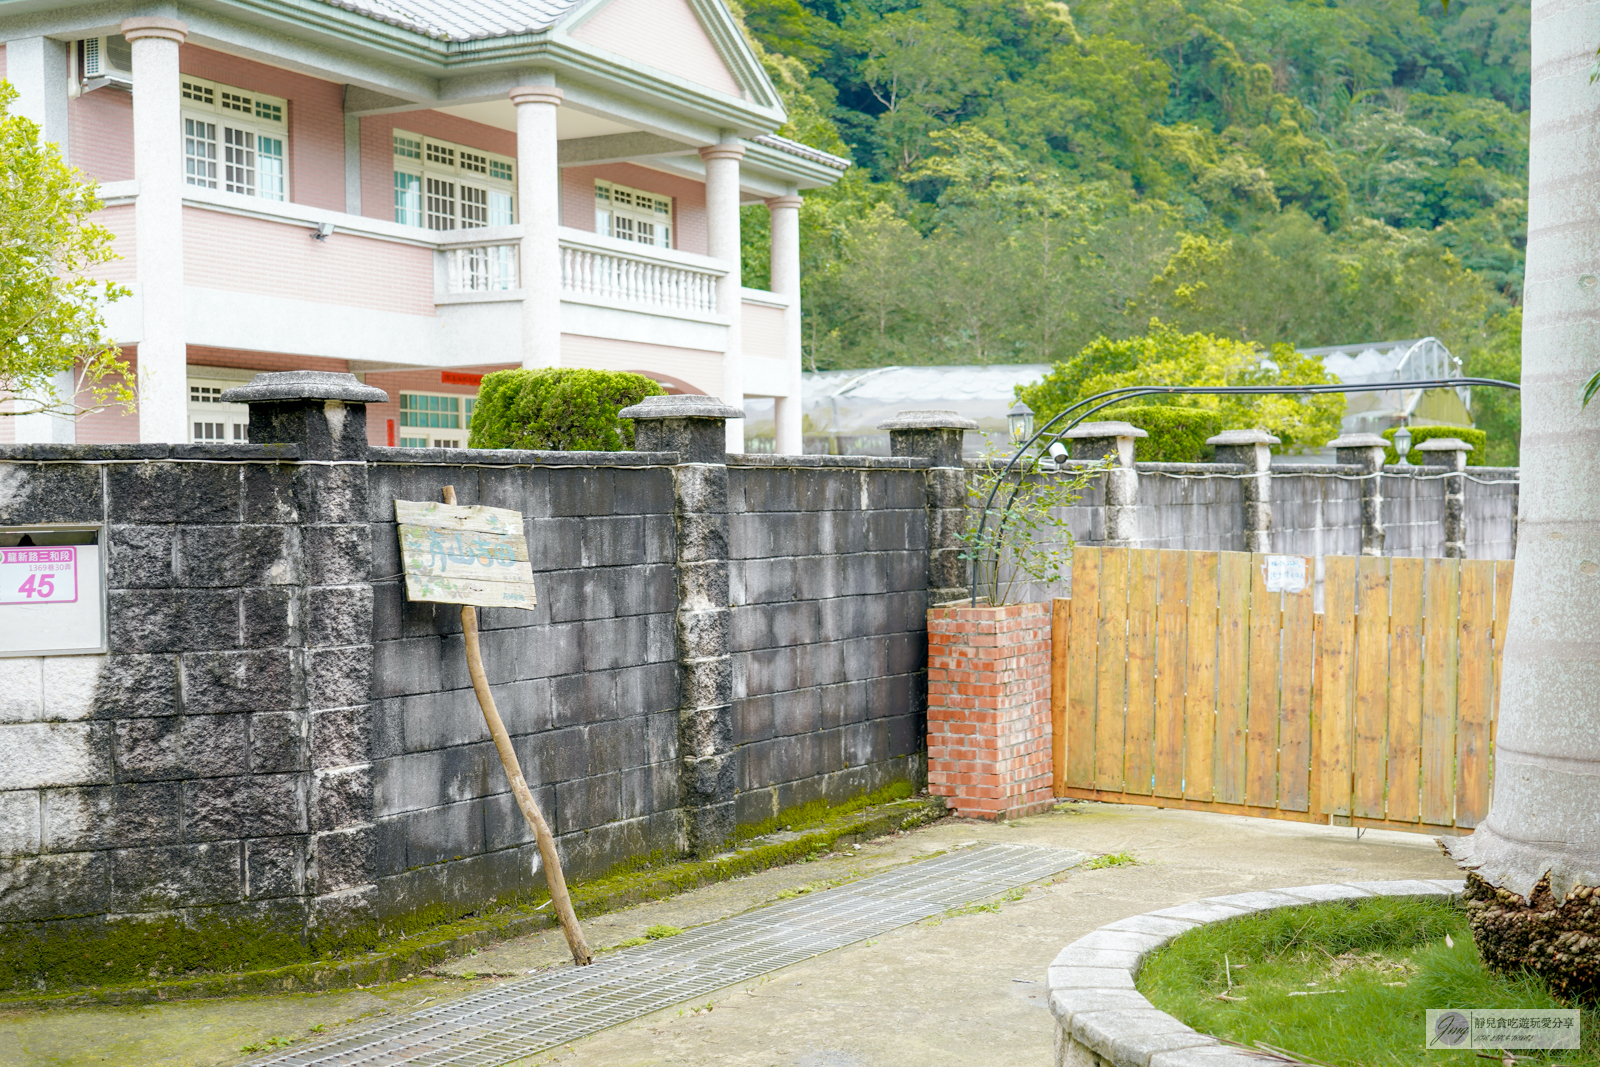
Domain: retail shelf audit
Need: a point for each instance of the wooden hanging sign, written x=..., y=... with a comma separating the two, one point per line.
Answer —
x=454, y=554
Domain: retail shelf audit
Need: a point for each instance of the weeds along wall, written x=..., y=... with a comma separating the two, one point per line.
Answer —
x=279, y=756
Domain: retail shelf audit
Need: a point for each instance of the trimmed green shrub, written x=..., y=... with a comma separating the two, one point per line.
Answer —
x=1476, y=438
x=562, y=409
x=1177, y=434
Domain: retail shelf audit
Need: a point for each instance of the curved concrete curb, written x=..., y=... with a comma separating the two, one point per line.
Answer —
x=1103, y=1021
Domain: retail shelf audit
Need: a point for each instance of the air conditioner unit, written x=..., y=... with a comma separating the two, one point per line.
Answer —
x=105, y=61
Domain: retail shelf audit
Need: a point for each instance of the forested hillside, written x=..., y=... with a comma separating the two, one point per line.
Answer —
x=1032, y=175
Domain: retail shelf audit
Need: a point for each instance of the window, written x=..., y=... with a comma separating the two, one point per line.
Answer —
x=434, y=421
x=443, y=186
x=210, y=420
x=631, y=215
x=233, y=140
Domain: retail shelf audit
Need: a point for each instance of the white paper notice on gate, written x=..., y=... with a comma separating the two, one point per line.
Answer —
x=1287, y=574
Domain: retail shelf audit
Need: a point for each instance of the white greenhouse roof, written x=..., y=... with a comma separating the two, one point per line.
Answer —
x=1385, y=361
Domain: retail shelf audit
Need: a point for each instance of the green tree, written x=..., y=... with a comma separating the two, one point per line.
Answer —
x=51, y=317
x=1168, y=356
x=562, y=409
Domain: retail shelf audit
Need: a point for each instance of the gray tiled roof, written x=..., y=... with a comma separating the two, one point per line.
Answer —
x=463, y=20
x=804, y=151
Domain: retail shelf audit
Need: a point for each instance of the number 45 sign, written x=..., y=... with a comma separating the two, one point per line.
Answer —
x=39, y=575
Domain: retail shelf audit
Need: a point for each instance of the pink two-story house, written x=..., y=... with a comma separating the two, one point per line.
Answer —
x=420, y=193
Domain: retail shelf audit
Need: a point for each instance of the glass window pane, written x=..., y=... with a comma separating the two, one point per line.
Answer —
x=200, y=153
x=269, y=168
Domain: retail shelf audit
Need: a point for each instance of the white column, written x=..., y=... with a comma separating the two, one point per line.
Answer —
x=785, y=213
x=539, y=208
x=37, y=68
x=722, y=242
x=158, y=226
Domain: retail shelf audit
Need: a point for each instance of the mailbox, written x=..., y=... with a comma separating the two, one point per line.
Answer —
x=52, y=590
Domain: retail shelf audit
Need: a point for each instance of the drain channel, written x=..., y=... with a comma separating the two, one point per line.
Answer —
x=528, y=1016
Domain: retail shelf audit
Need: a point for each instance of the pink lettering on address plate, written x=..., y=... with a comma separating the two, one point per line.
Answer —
x=39, y=575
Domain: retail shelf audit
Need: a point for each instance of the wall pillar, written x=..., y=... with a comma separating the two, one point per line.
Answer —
x=692, y=426
x=1366, y=450
x=939, y=437
x=722, y=242
x=539, y=211
x=158, y=227
x=1451, y=454
x=785, y=214
x=1252, y=450
x=989, y=710
x=1094, y=441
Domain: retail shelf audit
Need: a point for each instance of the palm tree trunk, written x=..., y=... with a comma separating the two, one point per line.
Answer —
x=1539, y=846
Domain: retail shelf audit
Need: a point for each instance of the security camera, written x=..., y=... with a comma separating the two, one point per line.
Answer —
x=323, y=231
x=1058, y=452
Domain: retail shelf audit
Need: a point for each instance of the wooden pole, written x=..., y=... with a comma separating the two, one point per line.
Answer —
x=519, y=786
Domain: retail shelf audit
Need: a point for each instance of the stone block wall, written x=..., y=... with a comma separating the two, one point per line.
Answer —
x=279, y=742
x=209, y=765
x=989, y=709
x=586, y=683
x=828, y=577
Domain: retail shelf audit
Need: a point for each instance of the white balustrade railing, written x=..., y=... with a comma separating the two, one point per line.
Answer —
x=637, y=280
x=481, y=268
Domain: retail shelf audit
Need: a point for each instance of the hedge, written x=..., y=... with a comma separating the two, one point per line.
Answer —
x=564, y=409
x=1478, y=439
x=1177, y=434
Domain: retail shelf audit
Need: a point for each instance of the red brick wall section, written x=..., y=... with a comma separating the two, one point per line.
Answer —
x=989, y=710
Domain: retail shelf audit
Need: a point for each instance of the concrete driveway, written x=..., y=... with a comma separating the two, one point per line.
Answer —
x=961, y=989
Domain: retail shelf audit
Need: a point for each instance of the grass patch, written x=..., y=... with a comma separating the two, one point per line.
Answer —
x=660, y=930
x=1111, y=859
x=1343, y=984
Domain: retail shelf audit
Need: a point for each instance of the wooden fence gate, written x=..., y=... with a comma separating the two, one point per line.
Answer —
x=1178, y=679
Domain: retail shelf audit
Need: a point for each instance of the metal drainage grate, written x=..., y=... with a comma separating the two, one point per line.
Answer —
x=527, y=1016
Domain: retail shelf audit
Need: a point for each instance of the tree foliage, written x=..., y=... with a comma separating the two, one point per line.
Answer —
x=1029, y=178
x=568, y=409
x=1167, y=356
x=51, y=314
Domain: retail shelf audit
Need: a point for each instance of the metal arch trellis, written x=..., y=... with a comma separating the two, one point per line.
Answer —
x=1128, y=392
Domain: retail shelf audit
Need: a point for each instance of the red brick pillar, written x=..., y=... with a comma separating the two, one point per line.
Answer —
x=989, y=709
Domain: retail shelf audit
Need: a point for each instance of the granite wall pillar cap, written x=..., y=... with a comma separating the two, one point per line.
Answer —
x=1093, y=440
x=304, y=385
x=323, y=412
x=1359, y=449
x=1358, y=440
x=1228, y=438
x=690, y=424
x=934, y=434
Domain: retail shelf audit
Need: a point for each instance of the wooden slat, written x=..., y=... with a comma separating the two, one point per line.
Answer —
x=1405, y=688
x=1233, y=673
x=1261, y=720
x=1200, y=679
x=1372, y=686
x=1060, y=615
x=1083, y=633
x=1141, y=718
x=1111, y=694
x=1336, y=649
x=1474, y=690
x=1294, y=707
x=1503, y=573
x=1256, y=813
x=1442, y=588
x=1171, y=668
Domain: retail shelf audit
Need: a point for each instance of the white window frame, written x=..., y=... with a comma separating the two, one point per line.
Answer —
x=632, y=214
x=234, y=140
x=442, y=408
x=441, y=185
x=211, y=422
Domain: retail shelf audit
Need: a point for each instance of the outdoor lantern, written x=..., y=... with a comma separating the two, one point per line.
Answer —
x=1402, y=443
x=1021, y=418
